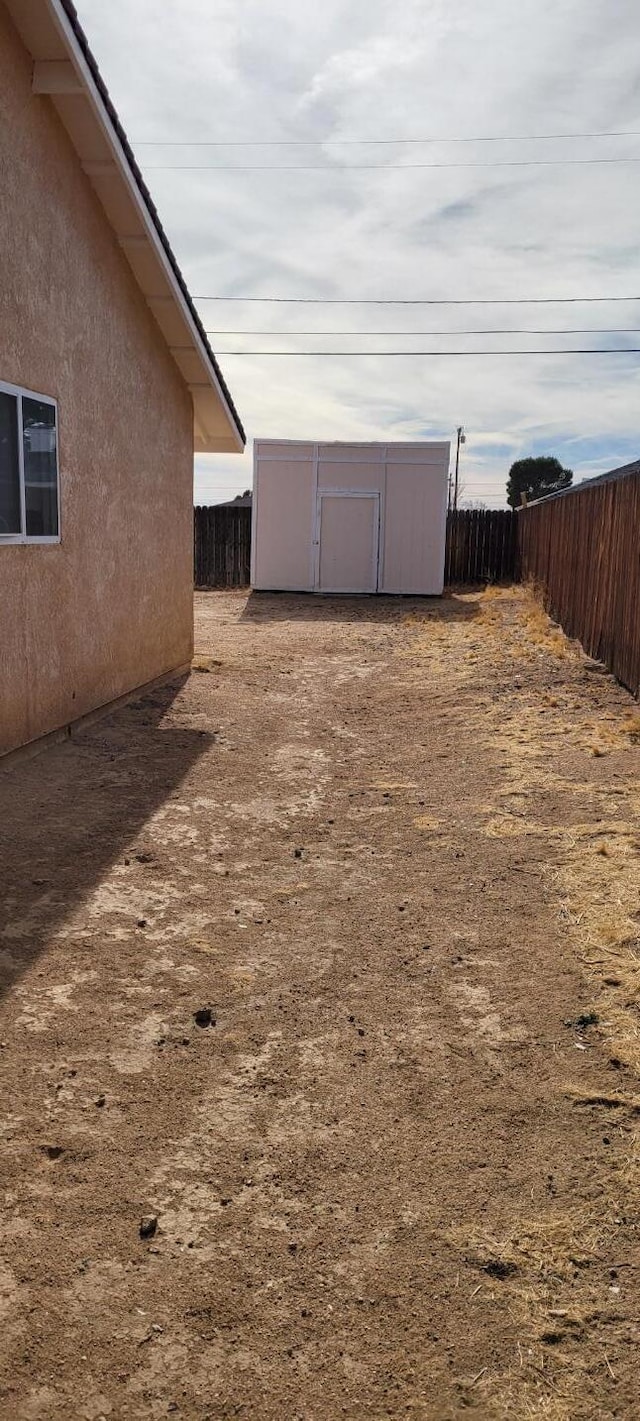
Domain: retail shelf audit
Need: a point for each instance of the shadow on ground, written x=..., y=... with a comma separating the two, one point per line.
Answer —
x=67, y=815
x=309, y=607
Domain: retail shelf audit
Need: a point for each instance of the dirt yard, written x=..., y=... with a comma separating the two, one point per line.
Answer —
x=328, y=961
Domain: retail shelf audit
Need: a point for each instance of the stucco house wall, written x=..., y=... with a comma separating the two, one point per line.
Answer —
x=109, y=607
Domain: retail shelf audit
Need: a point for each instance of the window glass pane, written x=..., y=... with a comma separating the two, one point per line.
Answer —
x=40, y=468
x=9, y=466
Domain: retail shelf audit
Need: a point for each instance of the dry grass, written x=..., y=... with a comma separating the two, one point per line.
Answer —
x=535, y=1263
x=530, y=629
x=593, y=874
x=427, y=821
x=631, y=726
x=204, y=663
x=596, y=872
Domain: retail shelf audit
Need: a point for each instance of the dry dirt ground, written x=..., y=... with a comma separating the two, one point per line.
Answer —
x=393, y=847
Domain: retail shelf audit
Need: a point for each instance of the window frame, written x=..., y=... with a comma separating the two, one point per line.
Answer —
x=19, y=392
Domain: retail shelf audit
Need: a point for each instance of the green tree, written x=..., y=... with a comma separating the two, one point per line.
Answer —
x=536, y=477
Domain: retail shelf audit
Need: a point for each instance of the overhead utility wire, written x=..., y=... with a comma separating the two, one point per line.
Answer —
x=421, y=300
x=592, y=350
x=380, y=142
x=371, y=167
x=490, y=331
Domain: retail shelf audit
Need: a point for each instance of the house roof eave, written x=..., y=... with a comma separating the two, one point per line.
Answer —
x=54, y=36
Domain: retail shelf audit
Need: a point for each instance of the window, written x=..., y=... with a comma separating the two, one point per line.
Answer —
x=28, y=467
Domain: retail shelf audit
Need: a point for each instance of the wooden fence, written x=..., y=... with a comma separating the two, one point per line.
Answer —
x=582, y=548
x=480, y=546
x=222, y=546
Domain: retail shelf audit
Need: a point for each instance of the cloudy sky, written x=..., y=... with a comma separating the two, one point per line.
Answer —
x=287, y=84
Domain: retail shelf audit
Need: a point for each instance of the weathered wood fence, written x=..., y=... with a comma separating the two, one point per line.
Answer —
x=222, y=546
x=480, y=546
x=582, y=549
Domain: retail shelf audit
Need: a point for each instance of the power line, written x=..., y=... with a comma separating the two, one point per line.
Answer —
x=371, y=167
x=592, y=350
x=490, y=331
x=421, y=301
x=379, y=142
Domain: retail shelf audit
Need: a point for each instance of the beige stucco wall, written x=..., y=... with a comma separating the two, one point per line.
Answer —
x=110, y=607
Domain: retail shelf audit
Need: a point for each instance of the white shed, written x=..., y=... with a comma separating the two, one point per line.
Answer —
x=349, y=518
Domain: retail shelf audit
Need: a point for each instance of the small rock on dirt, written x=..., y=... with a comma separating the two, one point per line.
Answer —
x=204, y=1017
x=148, y=1225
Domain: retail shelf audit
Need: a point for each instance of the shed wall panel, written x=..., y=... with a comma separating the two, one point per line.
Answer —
x=351, y=474
x=437, y=454
x=339, y=453
x=282, y=449
x=414, y=529
x=284, y=525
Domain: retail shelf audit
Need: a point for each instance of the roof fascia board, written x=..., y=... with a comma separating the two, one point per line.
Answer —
x=67, y=34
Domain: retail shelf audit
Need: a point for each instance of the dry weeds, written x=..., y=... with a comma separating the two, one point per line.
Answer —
x=594, y=882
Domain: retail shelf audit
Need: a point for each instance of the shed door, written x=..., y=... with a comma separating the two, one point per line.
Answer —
x=348, y=535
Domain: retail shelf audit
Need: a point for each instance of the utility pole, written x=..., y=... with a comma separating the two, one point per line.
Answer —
x=462, y=439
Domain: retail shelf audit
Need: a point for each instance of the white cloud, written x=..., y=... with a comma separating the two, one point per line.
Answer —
x=247, y=69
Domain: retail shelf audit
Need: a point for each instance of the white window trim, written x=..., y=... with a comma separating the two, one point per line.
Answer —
x=20, y=391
